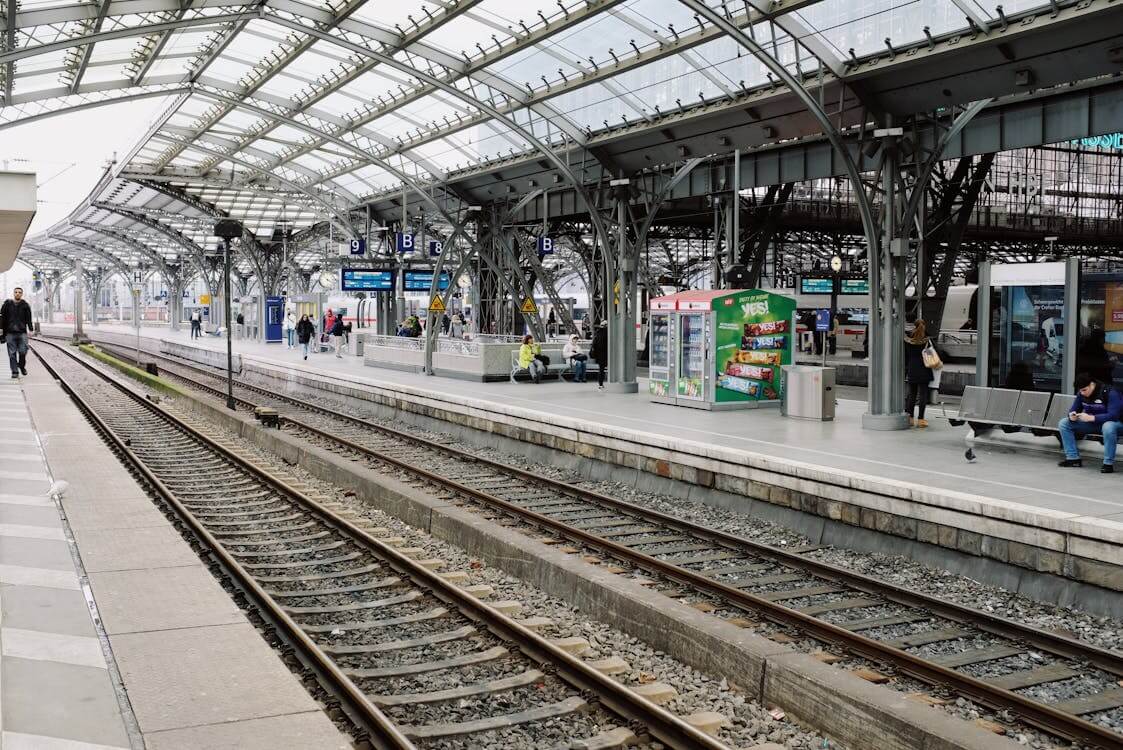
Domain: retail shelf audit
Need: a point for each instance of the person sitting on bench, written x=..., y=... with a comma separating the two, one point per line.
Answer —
x=1095, y=411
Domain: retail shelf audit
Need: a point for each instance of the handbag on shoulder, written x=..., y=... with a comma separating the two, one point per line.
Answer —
x=931, y=357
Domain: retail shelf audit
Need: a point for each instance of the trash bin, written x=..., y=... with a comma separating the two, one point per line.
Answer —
x=808, y=392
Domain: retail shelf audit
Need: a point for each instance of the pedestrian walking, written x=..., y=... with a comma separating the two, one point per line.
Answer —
x=337, y=336
x=599, y=351
x=917, y=374
x=241, y=321
x=305, y=331
x=196, y=324
x=15, y=324
x=289, y=327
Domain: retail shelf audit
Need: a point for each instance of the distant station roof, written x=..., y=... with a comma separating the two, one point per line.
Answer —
x=290, y=113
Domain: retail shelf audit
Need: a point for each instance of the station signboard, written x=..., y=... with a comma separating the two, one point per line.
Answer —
x=366, y=280
x=816, y=285
x=422, y=281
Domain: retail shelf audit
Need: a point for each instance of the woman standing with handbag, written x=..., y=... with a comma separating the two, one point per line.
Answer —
x=919, y=354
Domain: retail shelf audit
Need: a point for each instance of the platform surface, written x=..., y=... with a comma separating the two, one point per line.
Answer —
x=931, y=458
x=167, y=661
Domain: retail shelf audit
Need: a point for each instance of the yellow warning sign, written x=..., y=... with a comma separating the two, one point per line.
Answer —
x=204, y=299
x=529, y=307
x=616, y=292
x=436, y=305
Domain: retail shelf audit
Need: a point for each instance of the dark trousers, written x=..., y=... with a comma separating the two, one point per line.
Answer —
x=17, y=351
x=916, y=394
x=196, y=326
x=602, y=370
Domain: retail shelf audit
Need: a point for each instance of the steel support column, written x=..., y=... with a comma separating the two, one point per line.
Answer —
x=1071, y=321
x=620, y=291
x=887, y=300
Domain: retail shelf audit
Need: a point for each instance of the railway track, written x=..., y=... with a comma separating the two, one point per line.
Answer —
x=413, y=659
x=1017, y=670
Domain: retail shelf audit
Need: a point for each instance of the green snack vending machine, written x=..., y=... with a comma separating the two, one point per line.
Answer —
x=720, y=349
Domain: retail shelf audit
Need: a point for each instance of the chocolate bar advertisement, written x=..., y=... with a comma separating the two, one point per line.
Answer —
x=753, y=340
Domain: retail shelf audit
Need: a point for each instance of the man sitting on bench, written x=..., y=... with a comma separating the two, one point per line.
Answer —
x=1096, y=410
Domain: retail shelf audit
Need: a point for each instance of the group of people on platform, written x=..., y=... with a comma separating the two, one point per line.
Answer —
x=1096, y=409
x=537, y=364
x=303, y=332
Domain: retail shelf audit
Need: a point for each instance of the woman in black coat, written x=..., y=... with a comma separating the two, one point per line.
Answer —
x=917, y=374
x=304, y=333
x=599, y=351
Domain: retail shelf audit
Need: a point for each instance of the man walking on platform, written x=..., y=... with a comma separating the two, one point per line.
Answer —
x=1095, y=410
x=15, y=324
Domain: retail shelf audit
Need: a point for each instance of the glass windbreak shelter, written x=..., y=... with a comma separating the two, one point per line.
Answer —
x=1099, y=335
x=1029, y=311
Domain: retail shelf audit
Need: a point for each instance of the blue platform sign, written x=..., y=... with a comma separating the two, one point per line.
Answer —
x=358, y=247
x=422, y=281
x=545, y=245
x=436, y=247
x=274, y=319
x=822, y=320
x=366, y=280
x=404, y=242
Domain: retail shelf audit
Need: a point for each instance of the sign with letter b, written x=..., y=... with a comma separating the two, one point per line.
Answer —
x=404, y=242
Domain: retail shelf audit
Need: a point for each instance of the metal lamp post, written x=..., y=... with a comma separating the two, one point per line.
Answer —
x=228, y=229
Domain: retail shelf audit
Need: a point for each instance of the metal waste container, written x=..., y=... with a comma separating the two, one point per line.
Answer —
x=808, y=392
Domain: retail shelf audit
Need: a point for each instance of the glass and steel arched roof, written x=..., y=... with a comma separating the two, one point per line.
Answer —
x=304, y=109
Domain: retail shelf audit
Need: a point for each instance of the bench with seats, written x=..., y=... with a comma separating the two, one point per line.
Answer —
x=1013, y=411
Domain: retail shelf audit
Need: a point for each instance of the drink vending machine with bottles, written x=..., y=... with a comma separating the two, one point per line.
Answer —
x=720, y=349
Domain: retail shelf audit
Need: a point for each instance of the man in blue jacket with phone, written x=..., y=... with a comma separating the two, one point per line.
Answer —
x=1095, y=410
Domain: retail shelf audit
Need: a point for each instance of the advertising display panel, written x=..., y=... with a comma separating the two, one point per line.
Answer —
x=753, y=340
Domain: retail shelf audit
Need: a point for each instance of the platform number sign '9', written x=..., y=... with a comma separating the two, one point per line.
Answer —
x=358, y=247
x=404, y=243
x=545, y=246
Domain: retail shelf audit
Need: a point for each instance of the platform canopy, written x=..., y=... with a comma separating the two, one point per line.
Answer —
x=288, y=114
x=17, y=209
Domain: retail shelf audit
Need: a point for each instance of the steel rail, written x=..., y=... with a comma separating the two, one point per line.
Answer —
x=1038, y=714
x=662, y=724
x=383, y=733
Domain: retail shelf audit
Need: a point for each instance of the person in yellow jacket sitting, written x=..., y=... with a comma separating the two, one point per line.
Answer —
x=529, y=354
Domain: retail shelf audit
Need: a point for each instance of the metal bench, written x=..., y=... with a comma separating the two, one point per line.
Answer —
x=1013, y=411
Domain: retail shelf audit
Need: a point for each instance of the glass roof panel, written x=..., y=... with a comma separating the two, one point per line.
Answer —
x=864, y=24
x=385, y=15
x=461, y=34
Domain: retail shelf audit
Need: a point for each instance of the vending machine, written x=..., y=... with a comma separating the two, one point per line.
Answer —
x=720, y=349
x=660, y=358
